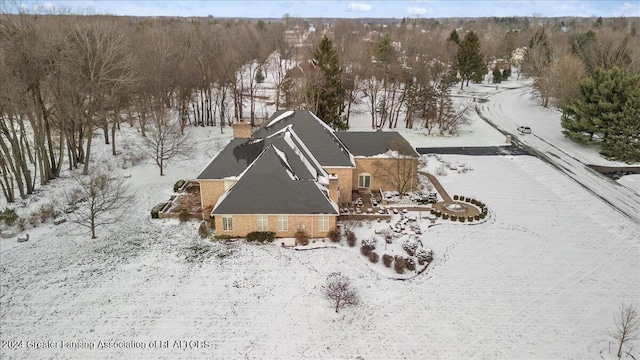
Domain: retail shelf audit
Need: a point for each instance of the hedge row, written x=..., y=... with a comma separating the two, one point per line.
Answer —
x=261, y=236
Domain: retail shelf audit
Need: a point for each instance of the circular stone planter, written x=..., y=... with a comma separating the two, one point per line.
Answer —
x=459, y=208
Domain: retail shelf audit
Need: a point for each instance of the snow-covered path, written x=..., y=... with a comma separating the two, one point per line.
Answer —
x=511, y=108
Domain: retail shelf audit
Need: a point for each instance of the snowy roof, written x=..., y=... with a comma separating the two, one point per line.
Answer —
x=313, y=132
x=231, y=161
x=240, y=153
x=371, y=143
x=268, y=187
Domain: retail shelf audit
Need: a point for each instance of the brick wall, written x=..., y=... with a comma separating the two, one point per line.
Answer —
x=383, y=171
x=210, y=191
x=241, y=130
x=244, y=224
x=345, y=180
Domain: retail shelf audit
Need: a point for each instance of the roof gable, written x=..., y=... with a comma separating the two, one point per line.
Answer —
x=317, y=136
x=271, y=186
x=240, y=153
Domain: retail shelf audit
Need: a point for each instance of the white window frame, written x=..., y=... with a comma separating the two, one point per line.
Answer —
x=263, y=223
x=283, y=223
x=227, y=223
x=362, y=181
x=323, y=223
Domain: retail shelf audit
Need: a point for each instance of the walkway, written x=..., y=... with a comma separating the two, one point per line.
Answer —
x=469, y=210
x=443, y=193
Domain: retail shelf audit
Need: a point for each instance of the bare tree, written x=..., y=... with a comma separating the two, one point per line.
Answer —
x=400, y=169
x=104, y=63
x=164, y=140
x=627, y=325
x=97, y=199
x=442, y=111
x=338, y=289
x=279, y=64
x=565, y=76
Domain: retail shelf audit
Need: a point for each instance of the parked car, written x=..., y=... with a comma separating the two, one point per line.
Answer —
x=524, y=130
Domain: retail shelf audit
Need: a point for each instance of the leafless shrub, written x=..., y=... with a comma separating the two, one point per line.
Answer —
x=203, y=230
x=399, y=264
x=334, y=235
x=339, y=290
x=302, y=238
x=351, y=238
x=46, y=212
x=627, y=325
x=387, y=260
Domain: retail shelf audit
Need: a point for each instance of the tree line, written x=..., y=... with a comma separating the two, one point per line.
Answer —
x=66, y=79
x=593, y=78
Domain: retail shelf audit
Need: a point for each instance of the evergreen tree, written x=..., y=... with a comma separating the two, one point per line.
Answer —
x=383, y=50
x=452, y=46
x=259, y=76
x=497, y=75
x=331, y=93
x=469, y=60
x=506, y=73
x=609, y=107
x=623, y=140
x=454, y=37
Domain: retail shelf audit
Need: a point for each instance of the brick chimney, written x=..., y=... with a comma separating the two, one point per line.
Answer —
x=241, y=130
x=334, y=188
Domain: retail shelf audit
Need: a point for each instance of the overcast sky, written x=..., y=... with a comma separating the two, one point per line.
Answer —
x=347, y=9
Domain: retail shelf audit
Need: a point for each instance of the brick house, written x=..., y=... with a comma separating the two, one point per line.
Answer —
x=294, y=170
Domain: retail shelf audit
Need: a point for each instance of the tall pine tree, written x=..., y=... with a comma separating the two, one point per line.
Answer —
x=330, y=104
x=497, y=74
x=609, y=108
x=469, y=61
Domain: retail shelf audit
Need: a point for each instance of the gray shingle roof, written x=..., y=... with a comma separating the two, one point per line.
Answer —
x=240, y=153
x=370, y=143
x=229, y=161
x=267, y=188
x=318, y=138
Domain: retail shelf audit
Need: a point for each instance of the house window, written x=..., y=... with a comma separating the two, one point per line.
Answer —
x=263, y=224
x=323, y=223
x=283, y=223
x=364, y=181
x=227, y=223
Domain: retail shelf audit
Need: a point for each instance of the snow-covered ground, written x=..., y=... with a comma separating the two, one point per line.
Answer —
x=517, y=106
x=477, y=133
x=542, y=278
x=631, y=182
x=521, y=104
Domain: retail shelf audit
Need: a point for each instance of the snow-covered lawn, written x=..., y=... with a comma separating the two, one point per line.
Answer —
x=518, y=102
x=632, y=182
x=541, y=279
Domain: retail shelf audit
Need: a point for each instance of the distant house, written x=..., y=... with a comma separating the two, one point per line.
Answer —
x=294, y=171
